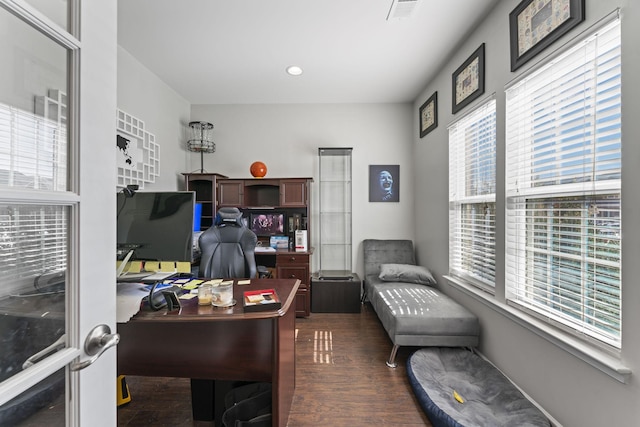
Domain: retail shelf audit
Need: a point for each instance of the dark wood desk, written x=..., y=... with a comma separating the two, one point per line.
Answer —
x=210, y=343
x=291, y=265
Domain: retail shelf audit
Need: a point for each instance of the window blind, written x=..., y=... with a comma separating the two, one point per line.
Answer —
x=33, y=237
x=33, y=151
x=472, y=188
x=33, y=241
x=563, y=178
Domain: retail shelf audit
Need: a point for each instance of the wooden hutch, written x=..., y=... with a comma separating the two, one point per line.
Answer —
x=290, y=196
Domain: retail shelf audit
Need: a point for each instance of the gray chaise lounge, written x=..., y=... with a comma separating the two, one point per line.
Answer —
x=412, y=311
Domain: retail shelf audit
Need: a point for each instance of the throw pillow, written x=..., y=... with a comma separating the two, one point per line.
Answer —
x=406, y=273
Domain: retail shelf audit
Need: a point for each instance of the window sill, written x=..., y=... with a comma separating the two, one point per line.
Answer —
x=598, y=358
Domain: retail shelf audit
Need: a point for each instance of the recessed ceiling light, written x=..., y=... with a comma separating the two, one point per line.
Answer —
x=294, y=70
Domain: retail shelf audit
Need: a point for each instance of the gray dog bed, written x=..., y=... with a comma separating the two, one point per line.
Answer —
x=486, y=397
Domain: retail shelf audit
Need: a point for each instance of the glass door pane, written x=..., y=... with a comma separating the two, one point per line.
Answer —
x=35, y=211
x=335, y=209
x=33, y=108
x=56, y=10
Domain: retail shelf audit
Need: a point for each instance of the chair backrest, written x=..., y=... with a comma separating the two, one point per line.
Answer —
x=377, y=252
x=228, y=248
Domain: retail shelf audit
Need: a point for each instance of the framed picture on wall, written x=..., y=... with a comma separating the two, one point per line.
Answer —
x=384, y=183
x=468, y=80
x=536, y=24
x=428, y=115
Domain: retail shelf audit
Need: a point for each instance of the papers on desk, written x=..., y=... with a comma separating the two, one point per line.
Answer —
x=159, y=275
x=265, y=249
x=129, y=296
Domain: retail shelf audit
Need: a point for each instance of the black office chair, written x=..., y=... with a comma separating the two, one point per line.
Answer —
x=228, y=251
x=228, y=248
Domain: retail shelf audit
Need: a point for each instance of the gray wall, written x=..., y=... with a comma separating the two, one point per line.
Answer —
x=164, y=113
x=574, y=392
x=287, y=137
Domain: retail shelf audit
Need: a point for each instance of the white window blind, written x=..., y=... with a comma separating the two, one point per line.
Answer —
x=472, y=195
x=563, y=170
x=32, y=151
x=33, y=237
x=33, y=242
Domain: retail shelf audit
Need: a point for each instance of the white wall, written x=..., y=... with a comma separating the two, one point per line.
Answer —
x=40, y=59
x=574, y=392
x=287, y=137
x=164, y=113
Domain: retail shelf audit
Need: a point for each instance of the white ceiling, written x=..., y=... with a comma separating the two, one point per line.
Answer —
x=236, y=51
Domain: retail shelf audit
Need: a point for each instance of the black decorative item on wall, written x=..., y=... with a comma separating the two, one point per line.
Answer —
x=384, y=183
x=428, y=115
x=468, y=80
x=536, y=24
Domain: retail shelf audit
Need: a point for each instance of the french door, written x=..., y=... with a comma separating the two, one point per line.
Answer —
x=57, y=212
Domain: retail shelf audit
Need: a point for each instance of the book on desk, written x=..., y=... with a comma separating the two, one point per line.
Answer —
x=261, y=300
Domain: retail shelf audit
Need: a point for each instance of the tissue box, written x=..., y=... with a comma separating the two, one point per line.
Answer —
x=279, y=242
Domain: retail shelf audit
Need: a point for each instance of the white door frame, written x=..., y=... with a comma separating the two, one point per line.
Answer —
x=91, y=296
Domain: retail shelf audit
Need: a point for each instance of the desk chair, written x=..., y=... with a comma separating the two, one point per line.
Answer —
x=227, y=251
x=228, y=248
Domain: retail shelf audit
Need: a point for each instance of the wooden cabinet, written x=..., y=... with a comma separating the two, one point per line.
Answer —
x=294, y=265
x=286, y=264
x=259, y=193
x=230, y=193
x=205, y=187
x=336, y=295
x=294, y=193
x=289, y=196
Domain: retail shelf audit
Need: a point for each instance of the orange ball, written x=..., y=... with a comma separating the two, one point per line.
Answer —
x=258, y=169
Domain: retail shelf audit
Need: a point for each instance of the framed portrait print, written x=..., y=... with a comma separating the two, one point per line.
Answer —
x=468, y=80
x=536, y=24
x=428, y=115
x=384, y=183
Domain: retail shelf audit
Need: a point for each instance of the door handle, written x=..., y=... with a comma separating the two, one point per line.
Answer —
x=59, y=344
x=98, y=341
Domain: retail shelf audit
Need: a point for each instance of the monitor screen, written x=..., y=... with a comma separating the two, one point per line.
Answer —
x=157, y=226
x=197, y=217
x=267, y=223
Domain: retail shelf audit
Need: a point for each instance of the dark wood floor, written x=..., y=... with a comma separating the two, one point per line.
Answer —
x=341, y=380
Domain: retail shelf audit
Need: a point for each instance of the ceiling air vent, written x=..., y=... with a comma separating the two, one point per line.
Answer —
x=401, y=9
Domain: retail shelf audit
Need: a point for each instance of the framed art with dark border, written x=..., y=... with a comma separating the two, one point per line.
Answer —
x=468, y=80
x=428, y=115
x=384, y=183
x=536, y=24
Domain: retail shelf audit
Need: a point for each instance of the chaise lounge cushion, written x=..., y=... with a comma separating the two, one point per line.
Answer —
x=489, y=398
x=407, y=273
x=419, y=315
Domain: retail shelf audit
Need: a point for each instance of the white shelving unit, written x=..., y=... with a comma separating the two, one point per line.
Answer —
x=335, y=209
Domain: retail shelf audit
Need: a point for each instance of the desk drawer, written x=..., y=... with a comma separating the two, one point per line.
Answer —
x=294, y=272
x=292, y=258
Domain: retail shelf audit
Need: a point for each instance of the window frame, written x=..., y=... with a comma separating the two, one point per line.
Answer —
x=473, y=266
x=536, y=185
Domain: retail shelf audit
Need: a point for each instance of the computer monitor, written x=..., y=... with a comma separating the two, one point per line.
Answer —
x=197, y=217
x=267, y=223
x=157, y=226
